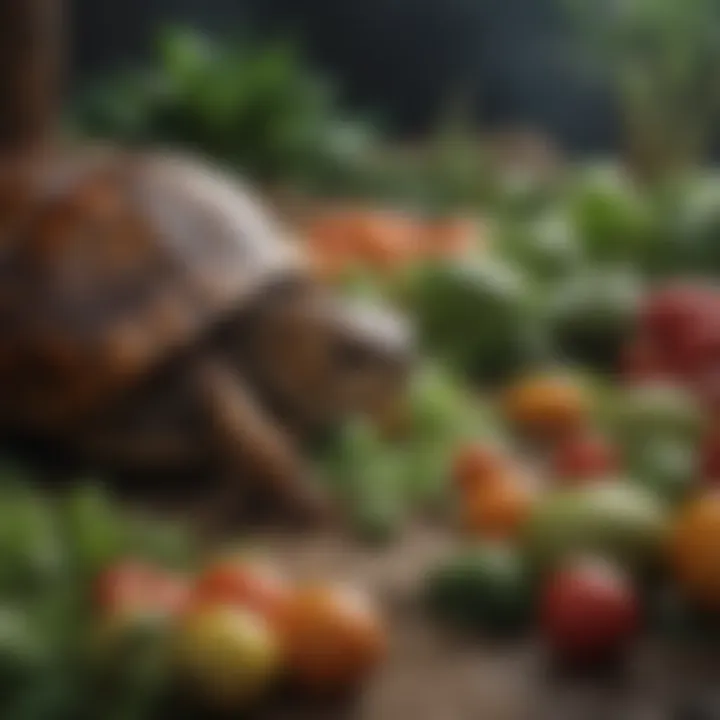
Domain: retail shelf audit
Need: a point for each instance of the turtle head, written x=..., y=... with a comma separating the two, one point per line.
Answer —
x=321, y=358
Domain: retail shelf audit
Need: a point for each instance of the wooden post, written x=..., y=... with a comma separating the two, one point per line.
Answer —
x=30, y=67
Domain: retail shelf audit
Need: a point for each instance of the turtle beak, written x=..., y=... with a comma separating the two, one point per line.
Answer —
x=379, y=333
x=375, y=354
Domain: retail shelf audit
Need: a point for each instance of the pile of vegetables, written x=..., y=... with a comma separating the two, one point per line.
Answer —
x=596, y=508
x=562, y=424
x=105, y=613
x=347, y=240
x=581, y=500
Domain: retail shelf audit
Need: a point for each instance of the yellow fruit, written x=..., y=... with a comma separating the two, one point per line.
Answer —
x=695, y=550
x=229, y=654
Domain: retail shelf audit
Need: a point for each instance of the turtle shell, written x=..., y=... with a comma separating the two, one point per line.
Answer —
x=109, y=264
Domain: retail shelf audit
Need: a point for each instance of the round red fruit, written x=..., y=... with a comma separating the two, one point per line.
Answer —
x=669, y=310
x=589, y=611
x=585, y=456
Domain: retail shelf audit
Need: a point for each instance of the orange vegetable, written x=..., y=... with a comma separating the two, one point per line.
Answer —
x=547, y=405
x=450, y=237
x=334, y=638
x=499, y=508
x=694, y=551
x=383, y=240
x=477, y=462
x=246, y=583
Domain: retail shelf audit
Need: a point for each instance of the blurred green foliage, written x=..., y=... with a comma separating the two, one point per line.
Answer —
x=386, y=482
x=254, y=105
x=662, y=58
x=51, y=550
x=258, y=106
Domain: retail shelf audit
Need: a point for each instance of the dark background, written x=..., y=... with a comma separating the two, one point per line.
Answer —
x=510, y=59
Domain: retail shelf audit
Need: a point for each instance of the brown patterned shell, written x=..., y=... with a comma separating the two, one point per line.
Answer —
x=109, y=265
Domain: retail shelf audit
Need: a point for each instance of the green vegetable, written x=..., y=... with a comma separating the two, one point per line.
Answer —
x=369, y=477
x=477, y=315
x=666, y=467
x=484, y=589
x=613, y=216
x=654, y=411
x=442, y=407
x=23, y=651
x=546, y=247
x=32, y=556
x=693, y=238
x=593, y=314
x=93, y=528
x=427, y=473
x=49, y=552
x=617, y=518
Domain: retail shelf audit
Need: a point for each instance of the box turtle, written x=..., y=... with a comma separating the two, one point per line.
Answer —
x=153, y=317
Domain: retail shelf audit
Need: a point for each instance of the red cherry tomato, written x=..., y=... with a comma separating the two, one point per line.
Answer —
x=589, y=611
x=680, y=321
x=244, y=582
x=584, y=456
x=136, y=586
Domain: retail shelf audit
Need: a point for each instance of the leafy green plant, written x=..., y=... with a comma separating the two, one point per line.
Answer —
x=662, y=59
x=254, y=105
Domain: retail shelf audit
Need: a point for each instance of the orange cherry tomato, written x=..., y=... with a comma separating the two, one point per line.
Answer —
x=548, y=405
x=476, y=462
x=695, y=550
x=334, y=638
x=244, y=582
x=499, y=508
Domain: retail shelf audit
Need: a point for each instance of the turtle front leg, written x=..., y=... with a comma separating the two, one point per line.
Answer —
x=252, y=448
